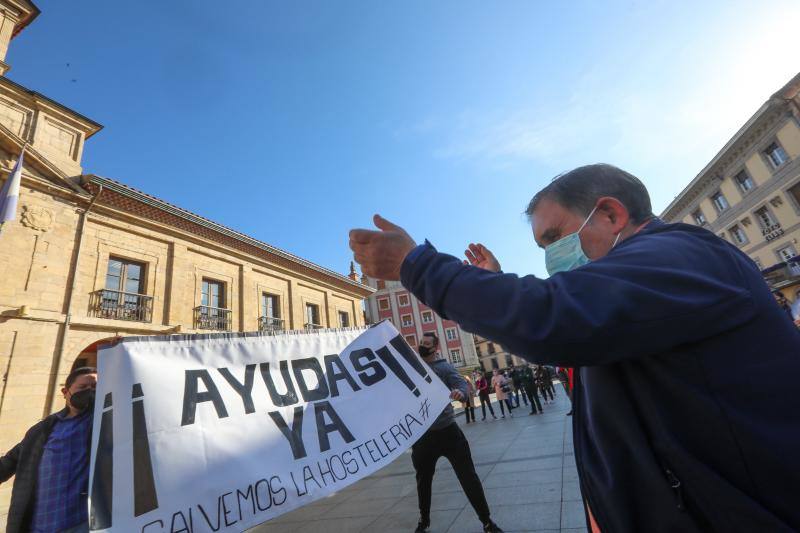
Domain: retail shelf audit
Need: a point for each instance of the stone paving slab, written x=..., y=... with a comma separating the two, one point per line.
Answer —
x=526, y=464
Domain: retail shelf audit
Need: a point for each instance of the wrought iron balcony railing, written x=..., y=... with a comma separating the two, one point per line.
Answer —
x=118, y=305
x=269, y=323
x=215, y=318
x=311, y=326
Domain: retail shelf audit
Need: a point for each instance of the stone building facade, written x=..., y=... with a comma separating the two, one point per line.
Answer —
x=89, y=259
x=493, y=356
x=412, y=318
x=749, y=194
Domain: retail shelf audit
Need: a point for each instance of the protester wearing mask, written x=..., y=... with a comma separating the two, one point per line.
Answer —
x=445, y=439
x=52, y=465
x=685, y=411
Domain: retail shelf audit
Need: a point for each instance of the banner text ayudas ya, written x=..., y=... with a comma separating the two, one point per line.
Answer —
x=223, y=434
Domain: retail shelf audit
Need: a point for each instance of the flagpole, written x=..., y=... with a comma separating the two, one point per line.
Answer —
x=11, y=176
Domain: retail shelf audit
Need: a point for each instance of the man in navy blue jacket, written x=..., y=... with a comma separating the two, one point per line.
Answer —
x=686, y=413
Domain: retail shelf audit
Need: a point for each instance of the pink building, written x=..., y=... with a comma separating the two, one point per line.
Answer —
x=413, y=318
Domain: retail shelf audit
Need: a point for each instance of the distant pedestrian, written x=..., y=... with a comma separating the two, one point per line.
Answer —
x=482, y=384
x=469, y=401
x=783, y=303
x=544, y=382
x=564, y=377
x=529, y=384
x=501, y=391
x=516, y=382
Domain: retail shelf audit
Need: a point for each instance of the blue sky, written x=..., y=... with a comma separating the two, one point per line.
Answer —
x=295, y=121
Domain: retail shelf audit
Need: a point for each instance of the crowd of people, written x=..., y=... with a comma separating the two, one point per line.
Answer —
x=526, y=382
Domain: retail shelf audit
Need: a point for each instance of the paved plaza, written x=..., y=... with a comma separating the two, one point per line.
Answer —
x=526, y=464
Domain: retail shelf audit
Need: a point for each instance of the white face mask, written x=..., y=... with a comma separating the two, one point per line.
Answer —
x=567, y=252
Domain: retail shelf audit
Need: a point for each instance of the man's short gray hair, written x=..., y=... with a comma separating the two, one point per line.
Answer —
x=578, y=190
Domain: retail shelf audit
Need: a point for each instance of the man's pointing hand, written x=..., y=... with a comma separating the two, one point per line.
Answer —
x=381, y=253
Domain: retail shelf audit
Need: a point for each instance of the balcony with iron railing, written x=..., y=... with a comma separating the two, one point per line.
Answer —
x=269, y=324
x=118, y=305
x=214, y=318
x=309, y=326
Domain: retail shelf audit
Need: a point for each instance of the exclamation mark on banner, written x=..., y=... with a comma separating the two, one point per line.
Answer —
x=389, y=360
x=102, y=482
x=144, y=486
x=399, y=344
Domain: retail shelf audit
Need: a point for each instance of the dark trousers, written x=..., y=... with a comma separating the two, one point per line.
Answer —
x=469, y=410
x=534, y=398
x=508, y=403
x=517, y=395
x=451, y=443
x=545, y=390
x=485, y=400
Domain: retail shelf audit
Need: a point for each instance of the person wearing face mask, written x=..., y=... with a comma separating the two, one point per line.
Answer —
x=445, y=439
x=52, y=465
x=679, y=423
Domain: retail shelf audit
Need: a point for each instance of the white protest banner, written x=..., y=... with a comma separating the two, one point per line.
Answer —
x=223, y=432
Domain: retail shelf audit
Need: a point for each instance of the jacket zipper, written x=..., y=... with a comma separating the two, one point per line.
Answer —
x=677, y=488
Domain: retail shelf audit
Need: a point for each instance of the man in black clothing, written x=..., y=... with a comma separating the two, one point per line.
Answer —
x=516, y=381
x=529, y=385
x=445, y=439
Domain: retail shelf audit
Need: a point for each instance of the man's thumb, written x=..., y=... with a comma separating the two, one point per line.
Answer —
x=384, y=225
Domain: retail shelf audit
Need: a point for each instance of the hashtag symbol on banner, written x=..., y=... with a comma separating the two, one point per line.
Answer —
x=424, y=409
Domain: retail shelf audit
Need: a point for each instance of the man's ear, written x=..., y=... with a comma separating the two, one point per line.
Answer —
x=615, y=210
x=64, y=391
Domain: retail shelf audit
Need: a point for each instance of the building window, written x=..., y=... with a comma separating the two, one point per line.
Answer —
x=455, y=357
x=794, y=192
x=757, y=261
x=312, y=317
x=403, y=300
x=383, y=304
x=213, y=294
x=744, y=181
x=381, y=284
x=212, y=313
x=494, y=363
x=765, y=218
x=776, y=155
x=344, y=319
x=738, y=235
x=406, y=321
x=122, y=298
x=427, y=317
x=451, y=334
x=411, y=340
x=483, y=366
x=787, y=252
x=509, y=360
x=699, y=218
x=490, y=346
x=269, y=306
x=720, y=202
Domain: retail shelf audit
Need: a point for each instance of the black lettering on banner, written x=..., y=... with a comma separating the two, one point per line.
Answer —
x=389, y=360
x=378, y=373
x=279, y=400
x=191, y=396
x=383, y=438
x=248, y=496
x=267, y=495
x=226, y=511
x=245, y=390
x=294, y=434
x=188, y=527
x=158, y=523
x=324, y=428
x=312, y=364
x=325, y=472
x=335, y=375
x=408, y=423
x=219, y=518
x=350, y=460
x=399, y=344
x=276, y=492
x=308, y=475
x=343, y=475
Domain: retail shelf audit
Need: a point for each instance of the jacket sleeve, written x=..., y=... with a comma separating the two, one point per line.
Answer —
x=454, y=380
x=8, y=463
x=649, y=294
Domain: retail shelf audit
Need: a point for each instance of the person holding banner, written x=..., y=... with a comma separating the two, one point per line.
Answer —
x=52, y=465
x=445, y=439
x=686, y=416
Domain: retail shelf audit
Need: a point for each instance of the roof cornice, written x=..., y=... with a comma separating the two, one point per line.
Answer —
x=152, y=201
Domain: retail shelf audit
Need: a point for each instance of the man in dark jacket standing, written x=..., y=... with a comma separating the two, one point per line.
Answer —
x=445, y=439
x=52, y=465
x=686, y=416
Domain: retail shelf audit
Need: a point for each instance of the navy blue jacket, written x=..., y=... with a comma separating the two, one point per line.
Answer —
x=687, y=410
